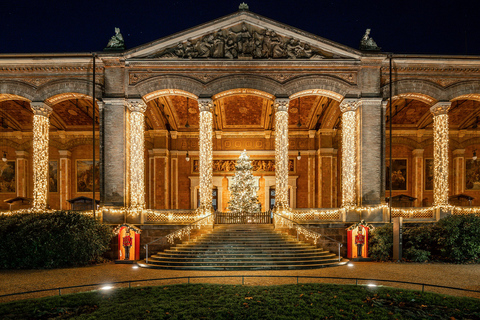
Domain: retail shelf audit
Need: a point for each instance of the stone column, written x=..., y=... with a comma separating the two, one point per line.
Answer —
x=281, y=153
x=440, y=153
x=41, y=127
x=349, y=151
x=371, y=144
x=113, y=157
x=206, y=160
x=137, y=109
x=418, y=180
x=22, y=173
x=65, y=170
x=458, y=171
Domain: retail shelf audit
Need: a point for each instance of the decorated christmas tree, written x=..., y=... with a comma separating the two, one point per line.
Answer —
x=243, y=191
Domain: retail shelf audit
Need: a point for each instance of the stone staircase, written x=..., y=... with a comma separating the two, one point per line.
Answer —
x=243, y=247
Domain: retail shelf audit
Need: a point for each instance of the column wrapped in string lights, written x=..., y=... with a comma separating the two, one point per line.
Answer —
x=206, y=159
x=281, y=153
x=137, y=109
x=41, y=128
x=440, y=153
x=349, y=151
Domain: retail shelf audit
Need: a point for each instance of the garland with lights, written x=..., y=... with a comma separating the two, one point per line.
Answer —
x=41, y=127
x=137, y=156
x=281, y=153
x=206, y=158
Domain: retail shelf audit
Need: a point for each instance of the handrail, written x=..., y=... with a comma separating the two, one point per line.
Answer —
x=309, y=233
x=180, y=232
x=59, y=289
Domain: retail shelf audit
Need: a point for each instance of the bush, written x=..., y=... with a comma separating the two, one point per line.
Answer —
x=380, y=243
x=51, y=240
x=458, y=238
x=451, y=239
x=418, y=243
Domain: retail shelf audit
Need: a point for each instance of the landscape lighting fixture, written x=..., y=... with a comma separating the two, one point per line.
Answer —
x=106, y=288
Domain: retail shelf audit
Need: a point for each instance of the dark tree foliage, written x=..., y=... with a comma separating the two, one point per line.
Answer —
x=452, y=239
x=51, y=240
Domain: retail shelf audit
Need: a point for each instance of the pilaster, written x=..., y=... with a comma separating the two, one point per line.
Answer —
x=458, y=171
x=65, y=172
x=418, y=176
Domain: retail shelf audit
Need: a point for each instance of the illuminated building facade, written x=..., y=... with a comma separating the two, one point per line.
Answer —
x=242, y=81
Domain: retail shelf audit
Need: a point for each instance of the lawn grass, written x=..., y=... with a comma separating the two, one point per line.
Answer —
x=207, y=301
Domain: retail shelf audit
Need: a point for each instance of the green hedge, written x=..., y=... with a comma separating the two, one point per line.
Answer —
x=452, y=239
x=51, y=240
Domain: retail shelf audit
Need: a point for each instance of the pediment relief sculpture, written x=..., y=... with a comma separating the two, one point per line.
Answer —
x=241, y=42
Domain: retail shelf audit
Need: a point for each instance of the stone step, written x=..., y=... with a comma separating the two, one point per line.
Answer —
x=243, y=247
x=187, y=255
x=247, y=267
x=242, y=258
x=236, y=262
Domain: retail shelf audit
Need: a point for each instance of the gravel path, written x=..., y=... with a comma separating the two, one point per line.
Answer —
x=460, y=276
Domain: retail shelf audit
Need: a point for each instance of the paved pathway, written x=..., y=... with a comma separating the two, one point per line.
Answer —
x=462, y=276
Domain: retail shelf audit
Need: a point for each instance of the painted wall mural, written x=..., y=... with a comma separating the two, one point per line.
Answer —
x=258, y=165
x=85, y=176
x=472, y=174
x=7, y=177
x=53, y=176
x=399, y=174
x=428, y=174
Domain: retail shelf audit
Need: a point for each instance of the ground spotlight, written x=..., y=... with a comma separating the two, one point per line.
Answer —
x=135, y=267
x=371, y=285
x=107, y=287
x=350, y=264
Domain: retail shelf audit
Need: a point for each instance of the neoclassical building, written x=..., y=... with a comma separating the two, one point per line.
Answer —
x=171, y=117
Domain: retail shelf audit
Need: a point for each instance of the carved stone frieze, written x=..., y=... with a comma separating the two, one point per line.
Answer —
x=258, y=165
x=242, y=41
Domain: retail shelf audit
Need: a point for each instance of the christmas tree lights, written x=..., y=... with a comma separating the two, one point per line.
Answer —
x=243, y=190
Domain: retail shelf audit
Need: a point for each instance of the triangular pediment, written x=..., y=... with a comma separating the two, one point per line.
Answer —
x=243, y=35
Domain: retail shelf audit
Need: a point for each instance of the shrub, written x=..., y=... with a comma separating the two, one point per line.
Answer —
x=380, y=243
x=458, y=238
x=418, y=243
x=51, y=240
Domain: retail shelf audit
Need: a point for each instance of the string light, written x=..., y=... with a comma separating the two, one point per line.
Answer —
x=349, y=150
x=206, y=160
x=137, y=156
x=41, y=127
x=440, y=150
x=281, y=153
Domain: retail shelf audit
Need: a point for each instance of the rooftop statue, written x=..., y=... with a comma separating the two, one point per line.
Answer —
x=243, y=6
x=116, y=41
x=367, y=43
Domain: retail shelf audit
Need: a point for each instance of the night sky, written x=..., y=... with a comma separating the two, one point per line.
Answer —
x=402, y=26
